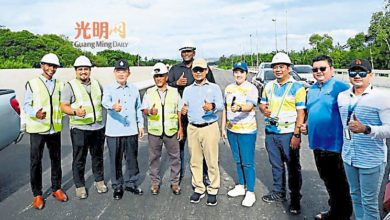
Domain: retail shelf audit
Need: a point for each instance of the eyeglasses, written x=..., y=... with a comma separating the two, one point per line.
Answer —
x=198, y=69
x=186, y=51
x=322, y=69
x=158, y=75
x=361, y=74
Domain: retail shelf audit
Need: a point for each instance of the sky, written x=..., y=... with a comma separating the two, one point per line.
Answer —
x=157, y=28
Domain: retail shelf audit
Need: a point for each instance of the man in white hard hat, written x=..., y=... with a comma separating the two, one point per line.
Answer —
x=43, y=117
x=283, y=104
x=82, y=101
x=161, y=106
x=125, y=125
x=180, y=76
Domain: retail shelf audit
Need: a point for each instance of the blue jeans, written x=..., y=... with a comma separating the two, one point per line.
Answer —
x=280, y=152
x=364, y=184
x=243, y=149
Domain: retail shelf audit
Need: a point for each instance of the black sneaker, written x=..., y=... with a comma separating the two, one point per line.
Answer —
x=211, y=200
x=295, y=207
x=196, y=197
x=274, y=197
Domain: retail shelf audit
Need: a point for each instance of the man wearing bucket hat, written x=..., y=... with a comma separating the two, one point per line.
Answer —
x=365, y=116
x=82, y=101
x=283, y=104
x=43, y=116
x=161, y=106
x=180, y=76
x=124, y=126
x=201, y=101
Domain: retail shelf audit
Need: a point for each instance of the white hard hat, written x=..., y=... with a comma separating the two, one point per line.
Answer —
x=280, y=58
x=82, y=61
x=50, y=58
x=187, y=45
x=159, y=68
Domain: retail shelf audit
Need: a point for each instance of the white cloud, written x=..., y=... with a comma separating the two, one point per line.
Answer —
x=156, y=28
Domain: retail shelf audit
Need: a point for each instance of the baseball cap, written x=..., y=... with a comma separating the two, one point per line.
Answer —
x=240, y=65
x=199, y=62
x=360, y=63
x=122, y=64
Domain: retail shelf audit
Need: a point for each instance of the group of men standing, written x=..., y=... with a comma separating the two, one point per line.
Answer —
x=346, y=128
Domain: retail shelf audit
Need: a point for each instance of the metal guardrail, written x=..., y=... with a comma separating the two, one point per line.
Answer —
x=381, y=78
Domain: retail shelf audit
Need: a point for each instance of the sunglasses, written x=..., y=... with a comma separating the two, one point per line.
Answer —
x=322, y=69
x=198, y=69
x=361, y=74
x=158, y=75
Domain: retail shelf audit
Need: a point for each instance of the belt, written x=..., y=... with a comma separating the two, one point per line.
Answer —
x=202, y=125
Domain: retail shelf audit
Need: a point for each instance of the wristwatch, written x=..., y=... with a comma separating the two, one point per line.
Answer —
x=297, y=135
x=368, y=130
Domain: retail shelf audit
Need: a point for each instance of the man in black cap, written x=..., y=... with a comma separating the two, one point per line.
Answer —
x=124, y=126
x=180, y=76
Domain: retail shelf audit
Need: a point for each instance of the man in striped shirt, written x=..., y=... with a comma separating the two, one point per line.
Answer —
x=365, y=115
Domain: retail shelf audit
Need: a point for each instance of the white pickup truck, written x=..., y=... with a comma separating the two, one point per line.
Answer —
x=9, y=118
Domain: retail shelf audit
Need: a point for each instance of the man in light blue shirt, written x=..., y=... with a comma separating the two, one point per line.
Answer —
x=365, y=115
x=124, y=127
x=201, y=101
x=43, y=116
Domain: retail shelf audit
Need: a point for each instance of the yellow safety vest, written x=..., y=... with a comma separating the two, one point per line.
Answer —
x=167, y=113
x=91, y=103
x=50, y=104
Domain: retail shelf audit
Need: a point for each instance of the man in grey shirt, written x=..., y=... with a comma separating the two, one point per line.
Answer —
x=82, y=101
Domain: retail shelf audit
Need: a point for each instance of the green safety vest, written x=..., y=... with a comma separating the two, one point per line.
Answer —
x=49, y=103
x=91, y=103
x=167, y=113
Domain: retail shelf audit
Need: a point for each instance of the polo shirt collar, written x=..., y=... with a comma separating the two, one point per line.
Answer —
x=368, y=90
x=117, y=85
x=205, y=83
x=46, y=80
x=291, y=79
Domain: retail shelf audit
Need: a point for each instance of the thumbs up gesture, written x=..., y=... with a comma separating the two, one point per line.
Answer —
x=153, y=110
x=356, y=126
x=40, y=114
x=182, y=81
x=117, y=106
x=80, y=111
x=208, y=106
x=184, y=110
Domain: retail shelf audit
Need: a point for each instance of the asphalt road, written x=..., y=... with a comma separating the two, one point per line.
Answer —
x=16, y=195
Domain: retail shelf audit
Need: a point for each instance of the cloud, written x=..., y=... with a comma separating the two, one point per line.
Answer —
x=156, y=28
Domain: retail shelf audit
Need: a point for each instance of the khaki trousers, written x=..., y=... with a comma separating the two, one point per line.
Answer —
x=203, y=143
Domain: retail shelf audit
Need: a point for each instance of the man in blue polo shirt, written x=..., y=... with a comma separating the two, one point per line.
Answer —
x=326, y=137
x=201, y=101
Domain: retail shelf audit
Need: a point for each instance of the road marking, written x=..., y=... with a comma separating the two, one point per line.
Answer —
x=102, y=212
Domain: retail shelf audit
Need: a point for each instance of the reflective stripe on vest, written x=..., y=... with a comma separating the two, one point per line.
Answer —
x=166, y=113
x=49, y=104
x=91, y=103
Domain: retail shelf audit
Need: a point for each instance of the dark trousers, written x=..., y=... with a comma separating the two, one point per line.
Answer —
x=280, y=152
x=118, y=147
x=82, y=140
x=53, y=143
x=155, y=149
x=331, y=170
x=182, y=143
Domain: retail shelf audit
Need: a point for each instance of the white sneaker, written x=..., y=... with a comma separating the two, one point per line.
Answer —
x=249, y=200
x=238, y=190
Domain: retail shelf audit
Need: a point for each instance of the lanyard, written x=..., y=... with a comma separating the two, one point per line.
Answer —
x=283, y=99
x=351, y=108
